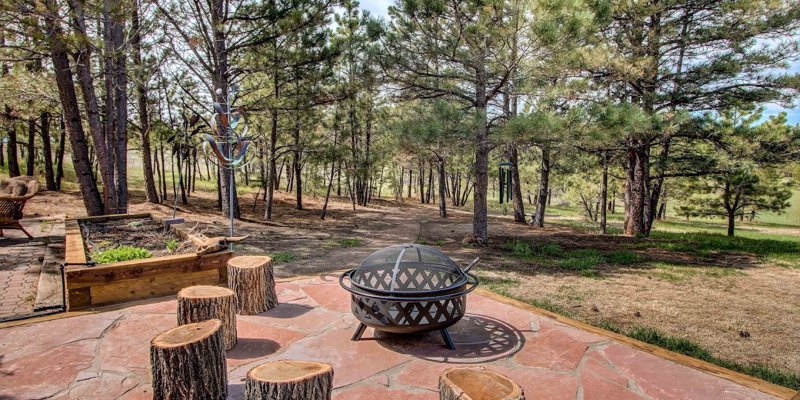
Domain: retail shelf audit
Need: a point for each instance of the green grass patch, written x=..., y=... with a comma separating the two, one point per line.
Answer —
x=439, y=242
x=282, y=257
x=625, y=257
x=350, y=243
x=118, y=254
x=692, y=349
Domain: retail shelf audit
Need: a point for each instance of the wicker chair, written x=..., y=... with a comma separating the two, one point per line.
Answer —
x=14, y=192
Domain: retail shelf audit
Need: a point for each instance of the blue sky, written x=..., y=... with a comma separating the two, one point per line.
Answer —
x=379, y=7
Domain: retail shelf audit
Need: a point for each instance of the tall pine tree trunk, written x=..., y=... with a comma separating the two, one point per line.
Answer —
x=544, y=188
x=31, y=160
x=47, y=152
x=144, y=118
x=13, y=161
x=516, y=186
x=442, y=187
x=83, y=62
x=69, y=102
x=60, y=152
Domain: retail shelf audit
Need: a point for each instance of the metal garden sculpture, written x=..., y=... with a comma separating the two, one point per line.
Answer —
x=229, y=128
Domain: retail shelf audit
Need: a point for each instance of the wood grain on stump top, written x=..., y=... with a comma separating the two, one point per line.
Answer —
x=287, y=371
x=204, y=292
x=185, y=334
x=477, y=384
x=248, y=261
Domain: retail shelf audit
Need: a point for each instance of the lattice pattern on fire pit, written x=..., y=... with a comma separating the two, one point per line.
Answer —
x=396, y=316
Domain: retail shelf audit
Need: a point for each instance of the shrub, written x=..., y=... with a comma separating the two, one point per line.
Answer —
x=120, y=253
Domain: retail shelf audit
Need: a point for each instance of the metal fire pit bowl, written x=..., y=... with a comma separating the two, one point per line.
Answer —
x=409, y=288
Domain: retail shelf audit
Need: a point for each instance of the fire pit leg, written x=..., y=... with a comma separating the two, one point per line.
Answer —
x=447, y=340
x=359, y=331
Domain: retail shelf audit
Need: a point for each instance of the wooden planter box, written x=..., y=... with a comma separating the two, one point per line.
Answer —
x=136, y=279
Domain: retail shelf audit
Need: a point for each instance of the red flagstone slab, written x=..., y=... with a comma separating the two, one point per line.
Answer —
x=422, y=374
x=142, y=392
x=126, y=346
x=541, y=384
x=596, y=387
x=352, y=361
x=166, y=306
x=24, y=340
x=44, y=374
x=516, y=317
x=593, y=366
x=664, y=379
x=330, y=296
x=294, y=316
x=258, y=340
x=107, y=386
x=105, y=355
x=552, y=349
x=370, y=392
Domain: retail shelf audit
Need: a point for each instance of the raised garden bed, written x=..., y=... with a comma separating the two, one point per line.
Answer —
x=171, y=266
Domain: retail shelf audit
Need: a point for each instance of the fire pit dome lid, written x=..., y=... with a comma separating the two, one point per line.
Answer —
x=408, y=268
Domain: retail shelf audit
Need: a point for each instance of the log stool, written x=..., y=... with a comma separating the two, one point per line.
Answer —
x=188, y=362
x=286, y=379
x=200, y=303
x=477, y=383
x=250, y=277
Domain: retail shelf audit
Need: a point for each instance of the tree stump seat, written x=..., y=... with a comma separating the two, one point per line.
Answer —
x=201, y=303
x=252, y=280
x=477, y=383
x=188, y=362
x=288, y=379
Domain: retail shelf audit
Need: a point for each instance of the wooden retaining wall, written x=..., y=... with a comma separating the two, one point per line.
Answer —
x=136, y=279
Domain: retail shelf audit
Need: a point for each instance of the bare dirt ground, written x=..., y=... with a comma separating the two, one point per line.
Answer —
x=709, y=300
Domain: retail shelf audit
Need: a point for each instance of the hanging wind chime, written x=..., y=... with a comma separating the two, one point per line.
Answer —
x=230, y=128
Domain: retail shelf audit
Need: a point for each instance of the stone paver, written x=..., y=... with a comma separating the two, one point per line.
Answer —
x=21, y=262
x=105, y=355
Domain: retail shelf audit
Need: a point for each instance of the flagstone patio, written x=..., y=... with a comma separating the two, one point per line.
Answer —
x=105, y=355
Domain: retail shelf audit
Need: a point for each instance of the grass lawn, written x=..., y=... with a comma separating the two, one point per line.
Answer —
x=688, y=287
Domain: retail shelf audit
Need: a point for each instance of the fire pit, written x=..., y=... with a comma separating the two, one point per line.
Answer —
x=409, y=288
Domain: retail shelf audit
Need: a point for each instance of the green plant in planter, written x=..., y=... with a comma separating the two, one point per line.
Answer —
x=172, y=245
x=121, y=253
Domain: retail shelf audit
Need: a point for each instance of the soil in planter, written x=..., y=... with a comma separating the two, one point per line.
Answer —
x=144, y=233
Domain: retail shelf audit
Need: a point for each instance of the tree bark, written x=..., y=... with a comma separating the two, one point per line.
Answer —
x=635, y=186
x=202, y=303
x=83, y=60
x=516, y=186
x=69, y=102
x=468, y=383
x=188, y=362
x=60, y=153
x=287, y=379
x=604, y=195
x=297, y=165
x=544, y=188
x=480, y=213
x=13, y=161
x=120, y=78
x=252, y=279
x=442, y=188
x=47, y=151
x=31, y=160
x=144, y=118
